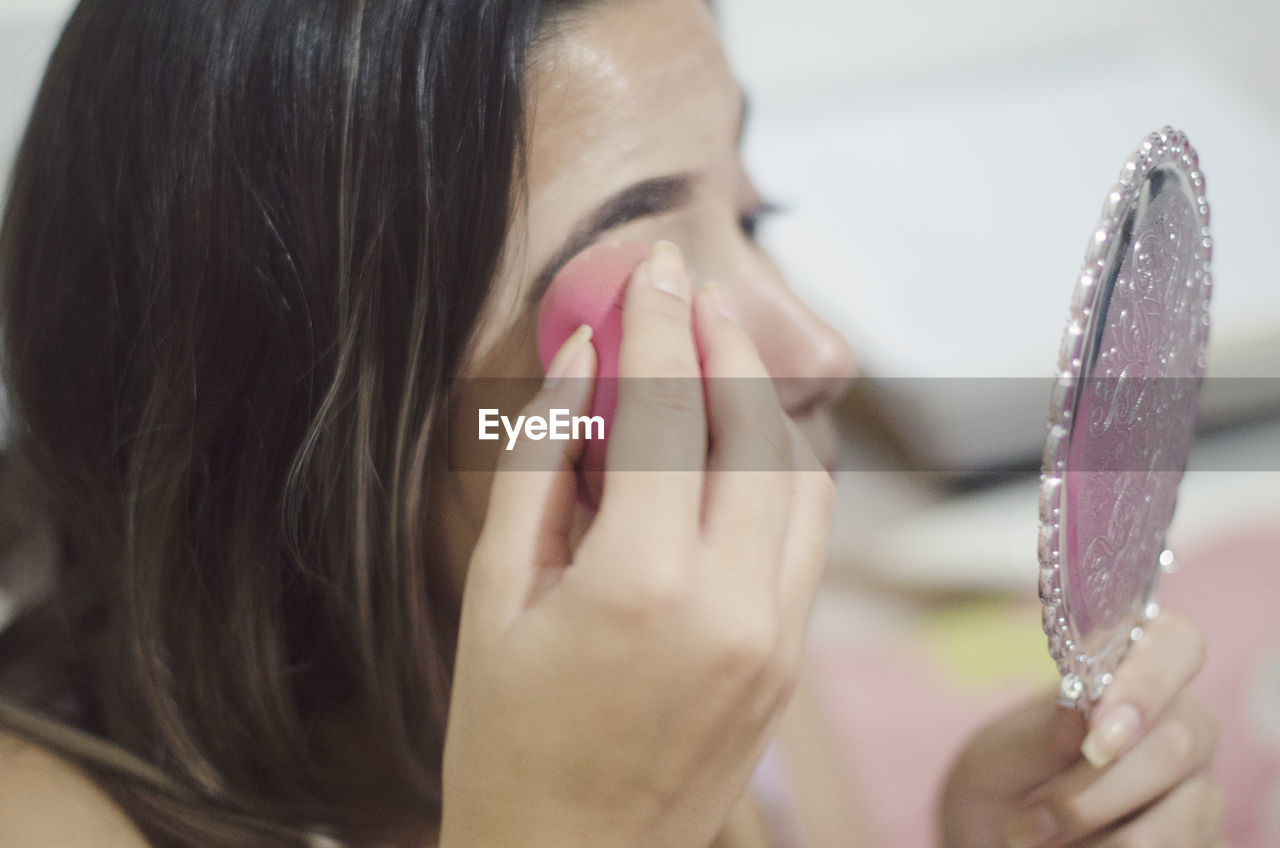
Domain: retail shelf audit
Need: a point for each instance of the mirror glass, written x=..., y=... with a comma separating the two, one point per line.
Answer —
x=1123, y=413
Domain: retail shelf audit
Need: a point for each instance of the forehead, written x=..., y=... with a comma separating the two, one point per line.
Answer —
x=622, y=88
x=620, y=91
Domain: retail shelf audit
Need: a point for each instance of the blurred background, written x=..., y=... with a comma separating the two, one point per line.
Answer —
x=943, y=166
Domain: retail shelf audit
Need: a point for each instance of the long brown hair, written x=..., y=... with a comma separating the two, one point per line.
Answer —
x=245, y=244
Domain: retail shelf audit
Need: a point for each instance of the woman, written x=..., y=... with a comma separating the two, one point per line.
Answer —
x=250, y=249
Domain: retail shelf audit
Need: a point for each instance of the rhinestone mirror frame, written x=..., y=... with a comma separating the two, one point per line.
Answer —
x=1087, y=670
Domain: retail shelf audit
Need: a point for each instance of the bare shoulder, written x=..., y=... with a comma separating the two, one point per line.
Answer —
x=46, y=800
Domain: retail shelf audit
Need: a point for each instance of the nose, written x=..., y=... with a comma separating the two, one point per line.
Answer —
x=811, y=363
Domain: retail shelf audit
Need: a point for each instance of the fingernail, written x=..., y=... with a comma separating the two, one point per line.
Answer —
x=715, y=294
x=569, y=361
x=1034, y=828
x=1111, y=733
x=666, y=270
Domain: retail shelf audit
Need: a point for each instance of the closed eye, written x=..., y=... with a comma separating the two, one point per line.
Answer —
x=650, y=197
x=749, y=222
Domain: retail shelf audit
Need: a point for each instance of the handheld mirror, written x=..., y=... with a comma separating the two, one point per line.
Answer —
x=1123, y=413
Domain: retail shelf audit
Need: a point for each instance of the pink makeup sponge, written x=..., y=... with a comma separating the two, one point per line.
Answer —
x=589, y=290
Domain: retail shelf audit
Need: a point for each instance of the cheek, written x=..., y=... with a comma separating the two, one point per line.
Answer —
x=504, y=377
x=462, y=465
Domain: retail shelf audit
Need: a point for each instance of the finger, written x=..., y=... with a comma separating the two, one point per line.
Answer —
x=531, y=501
x=804, y=555
x=1023, y=748
x=751, y=463
x=658, y=443
x=1085, y=801
x=1156, y=668
x=1190, y=816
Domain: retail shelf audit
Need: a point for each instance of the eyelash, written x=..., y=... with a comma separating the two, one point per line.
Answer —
x=749, y=222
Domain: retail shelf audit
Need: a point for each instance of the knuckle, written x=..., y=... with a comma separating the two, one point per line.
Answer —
x=650, y=597
x=747, y=642
x=1178, y=744
x=747, y=398
x=759, y=444
x=669, y=399
x=1143, y=681
x=774, y=442
x=665, y=307
x=822, y=486
x=749, y=646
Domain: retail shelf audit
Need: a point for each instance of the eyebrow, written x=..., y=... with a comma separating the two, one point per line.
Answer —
x=648, y=197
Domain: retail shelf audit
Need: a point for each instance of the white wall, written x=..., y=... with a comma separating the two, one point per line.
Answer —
x=35, y=9
x=780, y=47
x=802, y=45
x=28, y=29
x=824, y=42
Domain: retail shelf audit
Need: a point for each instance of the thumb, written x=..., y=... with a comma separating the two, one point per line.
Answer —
x=531, y=501
x=1067, y=729
x=1022, y=749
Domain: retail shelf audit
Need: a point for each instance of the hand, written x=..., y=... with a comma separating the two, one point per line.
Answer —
x=1138, y=778
x=622, y=692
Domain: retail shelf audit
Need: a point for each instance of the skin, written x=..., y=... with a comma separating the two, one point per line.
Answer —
x=628, y=93
x=619, y=674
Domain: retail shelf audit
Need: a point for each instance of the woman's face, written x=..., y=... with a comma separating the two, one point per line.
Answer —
x=636, y=122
